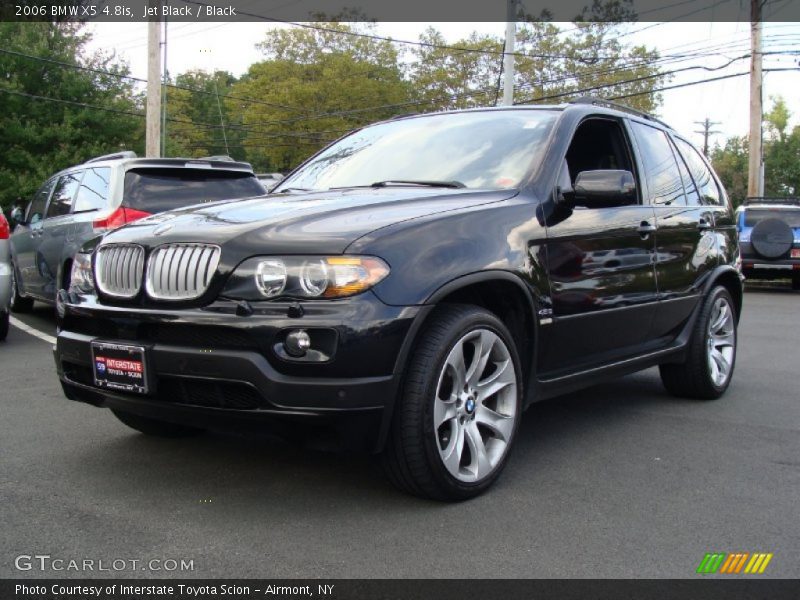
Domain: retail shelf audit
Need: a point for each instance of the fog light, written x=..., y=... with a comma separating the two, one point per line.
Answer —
x=297, y=343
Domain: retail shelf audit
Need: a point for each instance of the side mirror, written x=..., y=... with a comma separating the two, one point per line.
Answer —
x=596, y=189
x=17, y=215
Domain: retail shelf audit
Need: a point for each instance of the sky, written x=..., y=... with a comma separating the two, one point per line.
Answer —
x=231, y=46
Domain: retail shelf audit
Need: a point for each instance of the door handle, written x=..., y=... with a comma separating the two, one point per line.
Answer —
x=703, y=224
x=645, y=229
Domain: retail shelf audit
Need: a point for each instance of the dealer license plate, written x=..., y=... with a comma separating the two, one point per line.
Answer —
x=795, y=252
x=119, y=367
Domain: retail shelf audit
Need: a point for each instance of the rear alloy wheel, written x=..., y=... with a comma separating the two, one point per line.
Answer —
x=460, y=407
x=154, y=427
x=19, y=304
x=708, y=369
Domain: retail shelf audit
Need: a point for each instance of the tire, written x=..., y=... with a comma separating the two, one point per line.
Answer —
x=154, y=427
x=19, y=304
x=772, y=238
x=796, y=282
x=444, y=461
x=4, y=317
x=704, y=376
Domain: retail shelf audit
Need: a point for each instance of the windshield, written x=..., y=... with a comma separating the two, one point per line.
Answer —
x=790, y=216
x=489, y=150
x=157, y=190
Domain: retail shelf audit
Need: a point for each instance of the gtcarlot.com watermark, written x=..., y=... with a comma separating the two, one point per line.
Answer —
x=46, y=563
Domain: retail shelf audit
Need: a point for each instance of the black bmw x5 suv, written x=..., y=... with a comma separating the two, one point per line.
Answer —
x=417, y=284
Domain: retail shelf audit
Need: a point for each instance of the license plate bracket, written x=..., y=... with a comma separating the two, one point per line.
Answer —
x=120, y=367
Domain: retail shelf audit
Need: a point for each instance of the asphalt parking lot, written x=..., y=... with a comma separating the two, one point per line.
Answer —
x=620, y=480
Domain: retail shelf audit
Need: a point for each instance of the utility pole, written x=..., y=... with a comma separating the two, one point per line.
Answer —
x=706, y=124
x=153, y=112
x=164, y=92
x=755, y=184
x=508, y=56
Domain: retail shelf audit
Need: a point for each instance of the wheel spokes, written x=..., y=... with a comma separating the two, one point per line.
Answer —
x=473, y=436
x=444, y=411
x=484, y=343
x=480, y=465
x=452, y=454
x=721, y=342
x=500, y=425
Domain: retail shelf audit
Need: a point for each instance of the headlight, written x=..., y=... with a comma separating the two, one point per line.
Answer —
x=265, y=277
x=81, y=279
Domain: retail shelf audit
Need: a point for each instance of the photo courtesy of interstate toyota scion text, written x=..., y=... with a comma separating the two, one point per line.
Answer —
x=415, y=286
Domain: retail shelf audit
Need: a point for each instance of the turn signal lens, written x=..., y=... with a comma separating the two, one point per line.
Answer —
x=352, y=275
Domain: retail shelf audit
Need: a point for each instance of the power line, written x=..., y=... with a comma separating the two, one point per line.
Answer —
x=141, y=80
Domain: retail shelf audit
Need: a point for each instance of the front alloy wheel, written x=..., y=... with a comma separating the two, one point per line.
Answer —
x=458, y=413
x=475, y=408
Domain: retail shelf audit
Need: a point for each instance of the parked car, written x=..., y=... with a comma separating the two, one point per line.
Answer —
x=769, y=238
x=5, y=276
x=418, y=284
x=102, y=194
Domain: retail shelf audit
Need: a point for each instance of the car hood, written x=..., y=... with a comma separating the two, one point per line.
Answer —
x=318, y=222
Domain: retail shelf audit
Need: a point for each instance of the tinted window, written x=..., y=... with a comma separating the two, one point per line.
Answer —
x=61, y=202
x=93, y=191
x=709, y=192
x=692, y=198
x=491, y=149
x=39, y=202
x=157, y=190
x=754, y=215
x=663, y=177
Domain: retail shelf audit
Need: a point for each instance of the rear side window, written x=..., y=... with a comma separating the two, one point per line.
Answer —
x=706, y=185
x=692, y=197
x=663, y=177
x=39, y=202
x=754, y=215
x=157, y=190
x=61, y=202
x=93, y=191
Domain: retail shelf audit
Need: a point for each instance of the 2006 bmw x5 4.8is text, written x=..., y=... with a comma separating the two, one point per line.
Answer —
x=418, y=284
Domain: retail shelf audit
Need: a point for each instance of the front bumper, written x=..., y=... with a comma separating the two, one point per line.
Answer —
x=214, y=368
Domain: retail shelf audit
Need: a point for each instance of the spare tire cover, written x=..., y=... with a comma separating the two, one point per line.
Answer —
x=772, y=238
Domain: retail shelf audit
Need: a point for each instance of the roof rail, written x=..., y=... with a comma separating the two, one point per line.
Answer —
x=772, y=200
x=597, y=101
x=113, y=156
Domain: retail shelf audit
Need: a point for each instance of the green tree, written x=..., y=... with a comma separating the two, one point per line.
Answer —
x=203, y=122
x=781, y=157
x=308, y=73
x=550, y=67
x=445, y=79
x=91, y=117
x=730, y=163
x=781, y=152
x=555, y=68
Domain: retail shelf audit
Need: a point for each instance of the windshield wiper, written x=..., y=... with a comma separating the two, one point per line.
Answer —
x=291, y=189
x=428, y=183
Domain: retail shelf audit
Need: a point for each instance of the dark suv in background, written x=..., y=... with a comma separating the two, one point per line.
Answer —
x=104, y=193
x=418, y=284
x=769, y=238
